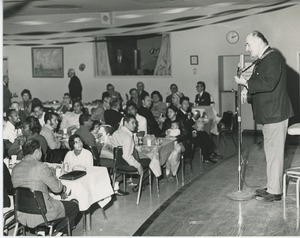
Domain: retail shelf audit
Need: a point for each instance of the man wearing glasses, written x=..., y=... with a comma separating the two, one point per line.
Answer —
x=203, y=97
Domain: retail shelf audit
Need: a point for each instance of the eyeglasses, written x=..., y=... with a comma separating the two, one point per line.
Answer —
x=199, y=86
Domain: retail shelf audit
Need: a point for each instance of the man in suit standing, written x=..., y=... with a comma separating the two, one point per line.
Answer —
x=75, y=88
x=271, y=108
x=120, y=64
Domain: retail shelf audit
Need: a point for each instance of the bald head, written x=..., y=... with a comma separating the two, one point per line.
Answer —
x=71, y=72
x=256, y=43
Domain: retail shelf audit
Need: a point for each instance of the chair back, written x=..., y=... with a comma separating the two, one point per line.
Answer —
x=226, y=122
x=30, y=202
x=118, y=158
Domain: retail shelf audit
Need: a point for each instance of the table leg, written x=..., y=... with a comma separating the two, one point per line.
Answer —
x=86, y=220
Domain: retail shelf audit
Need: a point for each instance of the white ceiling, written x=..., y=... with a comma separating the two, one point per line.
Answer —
x=58, y=22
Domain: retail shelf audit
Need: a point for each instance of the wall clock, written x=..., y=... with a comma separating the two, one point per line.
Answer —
x=232, y=37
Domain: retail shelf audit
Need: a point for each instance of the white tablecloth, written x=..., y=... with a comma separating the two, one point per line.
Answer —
x=91, y=188
x=157, y=153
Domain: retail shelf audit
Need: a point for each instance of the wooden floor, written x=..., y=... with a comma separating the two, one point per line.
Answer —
x=202, y=208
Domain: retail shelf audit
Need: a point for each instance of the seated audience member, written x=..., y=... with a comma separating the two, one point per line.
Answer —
x=16, y=106
x=36, y=175
x=134, y=98
x=30, y=130
x=170, y=127
x=200, y=138
x=110, y=92
x=202, y=98
x=38, y=112
x=66, y=104
x=141, y=90
x=176, y=99
x=174, y=130
x=113, y=116
x=9, y=130
x=70, y=120
x=25, y=104
x=124, y=137
x=78, y=158
x=95, y=129
x=84, y=132
x=98, y=114
x=152, y=124
x=159, y=108
x=173, y=89
x=51, y=122
x=141, y=121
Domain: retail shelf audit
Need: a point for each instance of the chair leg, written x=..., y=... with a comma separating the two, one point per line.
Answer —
x=140, y=190
x=69, y=228
x=103, y=213
x=84, y=221
x=297, y=191
x=124, y=182
x=182, y=171
x=16, y=229
x=150, y=181
x=157, y=187
x=51, y=231
x=284, y=185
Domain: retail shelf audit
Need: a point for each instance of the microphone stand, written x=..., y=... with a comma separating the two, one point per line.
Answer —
x=240, y=195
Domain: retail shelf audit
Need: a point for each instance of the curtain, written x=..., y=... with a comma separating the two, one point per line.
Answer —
x=101, y=57
x=163, y=65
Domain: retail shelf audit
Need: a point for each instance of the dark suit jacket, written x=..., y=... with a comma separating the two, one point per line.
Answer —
x=204, y=100
x=143, y=94
x=169, y=99
x=75, y=88
x=112, y=118
x=152, y=124
x=120, y=68
x=267, y=84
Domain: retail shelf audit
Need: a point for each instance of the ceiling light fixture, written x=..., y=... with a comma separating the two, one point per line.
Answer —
x=32, y=23
x=80, y=20
x=176, y=10
x=129, y=16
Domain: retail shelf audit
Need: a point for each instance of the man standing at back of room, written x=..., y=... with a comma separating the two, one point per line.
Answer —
x=75, y=88
x=271, y=108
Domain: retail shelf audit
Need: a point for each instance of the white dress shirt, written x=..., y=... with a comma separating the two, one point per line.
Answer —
x=85, y=159
x=9, y=132
x=124, y=137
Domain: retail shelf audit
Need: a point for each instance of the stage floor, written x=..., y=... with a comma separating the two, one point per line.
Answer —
x=201, y=208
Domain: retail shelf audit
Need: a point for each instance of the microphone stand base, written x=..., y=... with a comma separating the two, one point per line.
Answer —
x=240, y=196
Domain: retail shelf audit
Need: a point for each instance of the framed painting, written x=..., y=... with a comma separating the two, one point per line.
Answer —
x=47, y=62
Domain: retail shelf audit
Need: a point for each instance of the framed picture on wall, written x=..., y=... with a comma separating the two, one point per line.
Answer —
x=47, y=62
x=194, y=60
